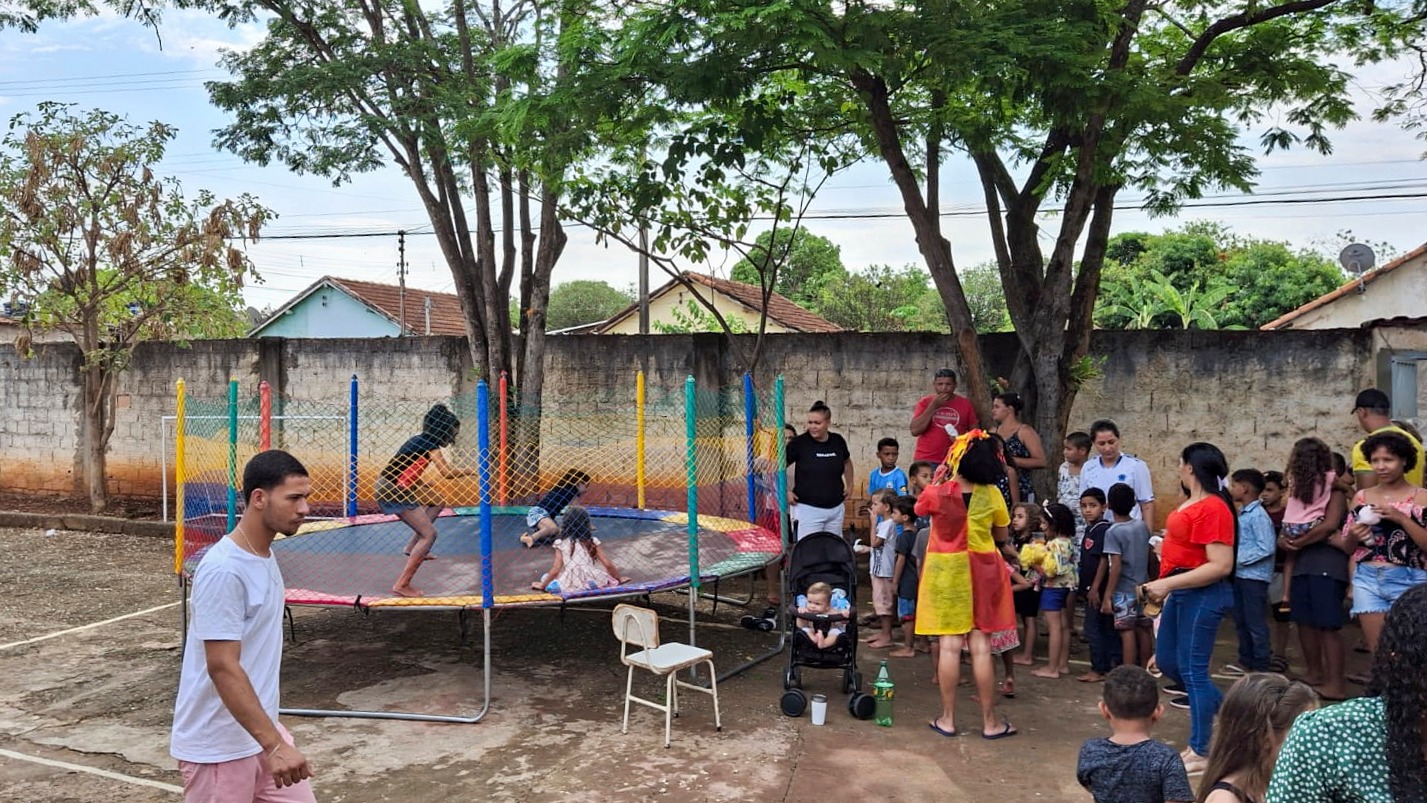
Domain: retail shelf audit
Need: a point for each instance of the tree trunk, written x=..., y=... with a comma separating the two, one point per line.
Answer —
x=95, y=430
x=935, y=249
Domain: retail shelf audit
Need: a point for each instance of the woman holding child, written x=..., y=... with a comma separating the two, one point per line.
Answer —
x=965, y=591
x=1196, y=560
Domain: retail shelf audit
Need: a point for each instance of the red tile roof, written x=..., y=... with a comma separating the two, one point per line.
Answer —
x=1348, y=287
x=780, y=309
x=446, y=318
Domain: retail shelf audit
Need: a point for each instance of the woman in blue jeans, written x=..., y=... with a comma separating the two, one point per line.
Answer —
x=1196, y=559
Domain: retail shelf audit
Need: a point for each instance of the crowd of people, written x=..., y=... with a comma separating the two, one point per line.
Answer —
x=1272, y=550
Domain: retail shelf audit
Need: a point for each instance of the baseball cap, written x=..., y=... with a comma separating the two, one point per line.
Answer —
x=1372, y=399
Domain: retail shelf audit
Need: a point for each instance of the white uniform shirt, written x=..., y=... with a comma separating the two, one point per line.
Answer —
x=237, y=596
x=1129, y=469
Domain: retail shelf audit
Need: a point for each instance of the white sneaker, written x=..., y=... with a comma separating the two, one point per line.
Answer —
x=1233, y=671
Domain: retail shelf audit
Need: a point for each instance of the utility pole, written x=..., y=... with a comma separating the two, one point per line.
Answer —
x=401, y=281
x=644, y=279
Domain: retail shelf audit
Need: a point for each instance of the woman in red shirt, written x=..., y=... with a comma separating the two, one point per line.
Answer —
x=1196, y=560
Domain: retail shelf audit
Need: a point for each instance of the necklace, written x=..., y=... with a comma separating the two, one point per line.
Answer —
x=247, y=545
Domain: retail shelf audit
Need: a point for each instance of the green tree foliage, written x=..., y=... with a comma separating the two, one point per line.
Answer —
x=691, y=316
x=581, y=302
x=984, y=298
x=1061, y=107
x=470, y=100
x=805, y=258
x=1237, y=282
x=102, y=249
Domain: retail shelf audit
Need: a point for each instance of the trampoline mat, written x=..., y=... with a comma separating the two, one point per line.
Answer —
x=357, y=562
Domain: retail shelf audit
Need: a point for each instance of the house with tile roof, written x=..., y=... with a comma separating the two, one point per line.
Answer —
x=1395, y=290
x=735, y=301
x=333, y=307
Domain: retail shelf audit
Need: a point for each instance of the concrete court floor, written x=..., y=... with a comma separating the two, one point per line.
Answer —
x=84, y=715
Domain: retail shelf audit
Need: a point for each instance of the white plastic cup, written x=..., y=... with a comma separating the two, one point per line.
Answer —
x=819, y=709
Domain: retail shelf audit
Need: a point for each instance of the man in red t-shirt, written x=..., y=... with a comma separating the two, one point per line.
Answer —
x=940, y=417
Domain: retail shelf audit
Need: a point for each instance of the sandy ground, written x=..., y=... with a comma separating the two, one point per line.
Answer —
x=101, y=698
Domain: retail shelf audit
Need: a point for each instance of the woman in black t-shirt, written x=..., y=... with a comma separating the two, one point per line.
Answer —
x=822, y=474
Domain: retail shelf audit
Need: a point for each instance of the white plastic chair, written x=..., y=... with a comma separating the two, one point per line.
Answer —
x=639, y=627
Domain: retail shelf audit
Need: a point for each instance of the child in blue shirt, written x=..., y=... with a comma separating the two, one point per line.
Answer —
x=543, y=517
x=1253, y=568
x=887, y=475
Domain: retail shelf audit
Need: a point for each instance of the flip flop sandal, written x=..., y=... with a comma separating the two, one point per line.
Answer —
x=1008, y=731
x=944, y=732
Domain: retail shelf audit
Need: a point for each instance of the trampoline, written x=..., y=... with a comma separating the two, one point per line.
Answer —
x=354, y=561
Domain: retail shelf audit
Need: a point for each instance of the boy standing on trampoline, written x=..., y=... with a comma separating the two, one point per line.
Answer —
x=543, y=517
x=401, y=493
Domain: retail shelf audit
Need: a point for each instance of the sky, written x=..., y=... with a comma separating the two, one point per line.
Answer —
x=118, y=65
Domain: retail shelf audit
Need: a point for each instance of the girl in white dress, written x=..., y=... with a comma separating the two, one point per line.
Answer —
x=580, y=562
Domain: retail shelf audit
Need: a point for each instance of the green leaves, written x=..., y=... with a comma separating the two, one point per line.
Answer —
x=101, y=248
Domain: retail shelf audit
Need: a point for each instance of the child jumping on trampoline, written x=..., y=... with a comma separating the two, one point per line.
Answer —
x=401, y=493
x=543, y=517
x=580, y=562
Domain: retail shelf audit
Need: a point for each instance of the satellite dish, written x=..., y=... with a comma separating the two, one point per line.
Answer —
x=1357, y=259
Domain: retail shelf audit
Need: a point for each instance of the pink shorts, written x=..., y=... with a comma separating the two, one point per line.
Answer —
x=884, y=596
x=242, y=780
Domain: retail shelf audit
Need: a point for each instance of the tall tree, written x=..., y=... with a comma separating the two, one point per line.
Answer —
x=462, y=98
x=1060, y=106
x=111, y=254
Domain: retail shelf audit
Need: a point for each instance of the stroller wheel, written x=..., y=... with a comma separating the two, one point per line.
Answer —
x=793, y=678
x=793, y=702
x=861, y=706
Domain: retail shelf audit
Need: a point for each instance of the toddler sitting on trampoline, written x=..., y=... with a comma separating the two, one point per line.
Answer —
x=543, y=517
x=822, y=598
x=580, y=562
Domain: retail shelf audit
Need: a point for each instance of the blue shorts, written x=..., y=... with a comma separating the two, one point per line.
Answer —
x=1377, y=586
x=1053, y=599
x=1128, y=613
x=906, y=609
x=1316, y=600
x=534, y=515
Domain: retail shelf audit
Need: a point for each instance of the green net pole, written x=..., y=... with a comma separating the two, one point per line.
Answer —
x=781, y=465
x=232, y=454
x=691, y=463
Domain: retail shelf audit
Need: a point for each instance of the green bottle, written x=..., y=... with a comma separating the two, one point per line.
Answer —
x=883, y=690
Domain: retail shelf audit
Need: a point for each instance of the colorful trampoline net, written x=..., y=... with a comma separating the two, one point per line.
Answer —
x=640, y=455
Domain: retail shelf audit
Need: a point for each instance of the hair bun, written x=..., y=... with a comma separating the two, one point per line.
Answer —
x=819, y=403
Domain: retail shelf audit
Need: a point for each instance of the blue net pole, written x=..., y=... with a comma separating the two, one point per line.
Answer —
x=691, y=464
x=781, y=464
x=232, y=454
x=750, y=415
x=352, y=450
x=483, y=443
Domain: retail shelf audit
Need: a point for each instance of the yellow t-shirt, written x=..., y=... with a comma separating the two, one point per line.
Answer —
x=1362, y=466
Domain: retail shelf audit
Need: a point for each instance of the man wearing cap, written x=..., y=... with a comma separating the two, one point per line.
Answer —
x=1373, y=410
x=940, y=417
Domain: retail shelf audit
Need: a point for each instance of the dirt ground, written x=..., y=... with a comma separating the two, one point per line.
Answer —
x=101, y=698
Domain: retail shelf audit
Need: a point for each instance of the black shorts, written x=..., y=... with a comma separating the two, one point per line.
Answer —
x=1317, y=601
x=1028, y=602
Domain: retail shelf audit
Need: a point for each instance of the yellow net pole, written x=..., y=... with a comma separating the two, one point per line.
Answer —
x=178, y=474
x=639, y=436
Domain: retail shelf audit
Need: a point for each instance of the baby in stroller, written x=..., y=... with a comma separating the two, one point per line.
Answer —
x=820, y=600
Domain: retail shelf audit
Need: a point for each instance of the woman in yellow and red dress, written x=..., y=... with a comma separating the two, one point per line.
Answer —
x=965, y=593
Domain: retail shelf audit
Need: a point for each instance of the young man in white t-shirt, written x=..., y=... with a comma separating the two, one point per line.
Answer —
x=226, y=736
x=1111, y=466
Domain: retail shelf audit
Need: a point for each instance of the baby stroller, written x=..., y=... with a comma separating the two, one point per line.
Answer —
x=823, y=557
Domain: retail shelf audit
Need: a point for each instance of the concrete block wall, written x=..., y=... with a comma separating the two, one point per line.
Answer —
x=1252, y=393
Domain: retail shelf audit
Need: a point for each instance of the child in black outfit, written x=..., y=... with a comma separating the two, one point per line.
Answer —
x=1099, y=627
x=1130, y=766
